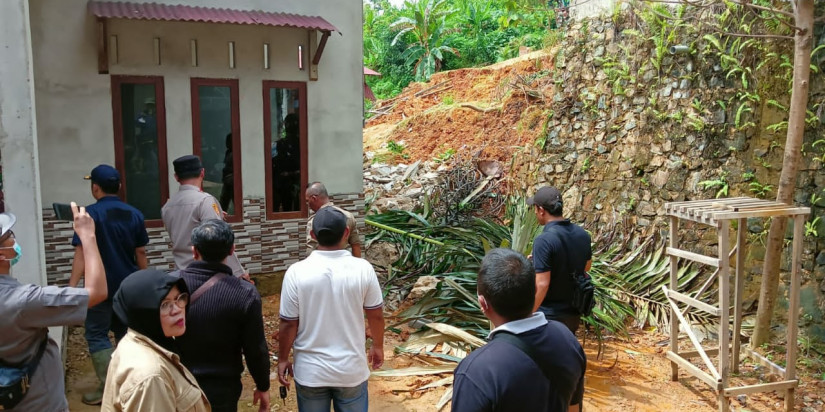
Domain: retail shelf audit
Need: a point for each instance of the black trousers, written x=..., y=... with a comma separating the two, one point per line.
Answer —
x=571, y=321
x=223, y=394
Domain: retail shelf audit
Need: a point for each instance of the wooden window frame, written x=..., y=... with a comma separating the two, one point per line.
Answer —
x=234, y=101
x=304, y=145
x=120, y=156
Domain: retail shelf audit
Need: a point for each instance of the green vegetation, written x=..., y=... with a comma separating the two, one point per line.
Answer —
x=411, y=42
x=628, y=278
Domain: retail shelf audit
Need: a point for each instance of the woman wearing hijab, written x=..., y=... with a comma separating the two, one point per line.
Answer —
x=145, y=373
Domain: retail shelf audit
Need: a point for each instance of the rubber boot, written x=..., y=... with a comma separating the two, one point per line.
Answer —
x=100, y=361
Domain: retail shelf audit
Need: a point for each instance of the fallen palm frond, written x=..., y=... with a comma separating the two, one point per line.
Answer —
x=628, y=276
x=415, y=371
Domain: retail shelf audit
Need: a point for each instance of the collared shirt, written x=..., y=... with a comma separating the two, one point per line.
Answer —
x=143, y=376
x=520, y=326
x=27, y=312
x=182, y=213
x=499, y=377
x=353, y=239
x=327, y=294
x=119, y=229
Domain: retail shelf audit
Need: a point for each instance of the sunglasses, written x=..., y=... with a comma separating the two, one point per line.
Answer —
x=181, y=301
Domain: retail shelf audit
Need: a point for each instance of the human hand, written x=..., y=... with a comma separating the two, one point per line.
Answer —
x=263, y=397
x=224, y=215
x=284, y=370
x=83, y=224
x=376, y=356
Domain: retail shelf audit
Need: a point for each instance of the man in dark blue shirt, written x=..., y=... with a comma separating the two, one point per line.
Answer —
x=121, y=239
x=560, y=251
x=501, y=376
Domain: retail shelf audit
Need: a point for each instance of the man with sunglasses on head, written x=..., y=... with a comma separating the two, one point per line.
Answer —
x=224, y=324
x=29, y=310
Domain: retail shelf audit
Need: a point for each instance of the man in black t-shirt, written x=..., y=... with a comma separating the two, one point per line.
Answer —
x=501, y=376
x=561, y=250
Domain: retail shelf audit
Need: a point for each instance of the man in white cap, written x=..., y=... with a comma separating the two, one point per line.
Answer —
x=29, y=310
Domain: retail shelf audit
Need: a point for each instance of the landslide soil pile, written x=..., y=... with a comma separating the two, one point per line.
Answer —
x=488, y=111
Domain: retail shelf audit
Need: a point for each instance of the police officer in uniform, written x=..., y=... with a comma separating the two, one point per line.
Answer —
x=187, y=208
x=28, y=310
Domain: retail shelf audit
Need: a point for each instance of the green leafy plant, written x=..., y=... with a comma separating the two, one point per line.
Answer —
x=444, y=156
x=448, y=100
x=585, y=165
x=397, y=148
x=721, y=182
x=810, y=227
x=759, y=189
x=425, y=21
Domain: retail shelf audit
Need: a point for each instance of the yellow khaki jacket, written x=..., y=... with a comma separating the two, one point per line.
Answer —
x=143, y=376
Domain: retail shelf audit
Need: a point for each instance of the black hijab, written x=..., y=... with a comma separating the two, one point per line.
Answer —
x=137, y=303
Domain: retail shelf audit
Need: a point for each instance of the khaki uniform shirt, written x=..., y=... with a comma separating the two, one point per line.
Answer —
x=26, y=311
x=143, y=376
x=353, y=239
x=182, y=213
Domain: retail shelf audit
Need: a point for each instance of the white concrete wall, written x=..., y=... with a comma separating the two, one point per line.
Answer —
x=74, y=102
x=18, y=139
x=580, y=9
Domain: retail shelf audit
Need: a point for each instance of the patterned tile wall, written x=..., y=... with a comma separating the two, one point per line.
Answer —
x=263, y=246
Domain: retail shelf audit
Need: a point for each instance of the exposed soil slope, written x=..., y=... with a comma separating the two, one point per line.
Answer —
x=478, y=110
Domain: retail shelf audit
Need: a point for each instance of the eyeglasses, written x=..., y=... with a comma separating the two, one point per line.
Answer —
x=181, y=301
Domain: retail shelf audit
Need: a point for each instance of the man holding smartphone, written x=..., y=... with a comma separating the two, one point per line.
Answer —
x=121, y=239
x=29, y=310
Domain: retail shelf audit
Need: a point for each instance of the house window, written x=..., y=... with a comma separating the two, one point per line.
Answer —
x=216, y=138
x=285, y=146
x=139, y=116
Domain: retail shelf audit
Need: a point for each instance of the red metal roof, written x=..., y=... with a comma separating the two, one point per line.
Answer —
x=171, y=12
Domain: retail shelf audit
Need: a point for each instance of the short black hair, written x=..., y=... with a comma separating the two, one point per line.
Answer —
x=328, y=239
x=109, y=188
x=507, y=281
x=213, y=239
x=189, y=174
x=556, y=210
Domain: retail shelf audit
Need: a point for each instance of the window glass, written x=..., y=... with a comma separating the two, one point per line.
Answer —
x=285, y=150
x=140, y=146
x=215, y=111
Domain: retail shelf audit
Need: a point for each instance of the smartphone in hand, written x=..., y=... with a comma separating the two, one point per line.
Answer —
x=63, y=211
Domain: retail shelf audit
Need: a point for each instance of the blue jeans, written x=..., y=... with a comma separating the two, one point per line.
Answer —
x=100, y=319
x=353, y=399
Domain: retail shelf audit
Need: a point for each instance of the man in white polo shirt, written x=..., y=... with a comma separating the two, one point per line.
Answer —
x=323, y=301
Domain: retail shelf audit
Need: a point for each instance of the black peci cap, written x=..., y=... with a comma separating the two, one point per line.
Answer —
x=187, y=164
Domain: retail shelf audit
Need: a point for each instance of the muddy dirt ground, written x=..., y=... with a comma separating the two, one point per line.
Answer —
x=632, y=375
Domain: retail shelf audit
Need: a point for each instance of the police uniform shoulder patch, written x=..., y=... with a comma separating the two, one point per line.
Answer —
x=216, y=208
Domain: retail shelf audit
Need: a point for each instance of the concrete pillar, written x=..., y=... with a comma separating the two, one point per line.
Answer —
x=18, y=139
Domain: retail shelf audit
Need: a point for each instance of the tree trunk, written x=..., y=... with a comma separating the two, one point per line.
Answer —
x=790, y=166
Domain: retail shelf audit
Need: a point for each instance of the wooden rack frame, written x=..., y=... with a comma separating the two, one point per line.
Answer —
x=719, y=213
